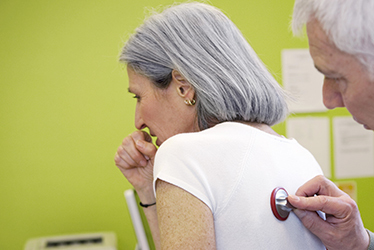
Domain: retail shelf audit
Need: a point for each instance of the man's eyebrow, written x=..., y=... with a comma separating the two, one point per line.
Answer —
x=326, y=73
x=129, y=90
x=319, y=70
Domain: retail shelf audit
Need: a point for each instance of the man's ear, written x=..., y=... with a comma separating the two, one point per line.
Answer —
x=184, y=88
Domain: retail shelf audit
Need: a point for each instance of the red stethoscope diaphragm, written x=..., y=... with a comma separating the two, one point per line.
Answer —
x=278, y=203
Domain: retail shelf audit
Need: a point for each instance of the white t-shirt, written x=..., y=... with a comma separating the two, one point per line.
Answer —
x=233, y=169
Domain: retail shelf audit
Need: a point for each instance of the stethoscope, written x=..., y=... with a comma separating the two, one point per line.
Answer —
x=279, y=204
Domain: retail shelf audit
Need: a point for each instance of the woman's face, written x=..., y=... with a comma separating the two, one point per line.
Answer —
x=163, y=111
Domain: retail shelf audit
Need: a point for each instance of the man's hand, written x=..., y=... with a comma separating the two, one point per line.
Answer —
x=343, y=227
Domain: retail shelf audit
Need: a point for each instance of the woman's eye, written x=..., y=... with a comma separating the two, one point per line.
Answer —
x=136, y=97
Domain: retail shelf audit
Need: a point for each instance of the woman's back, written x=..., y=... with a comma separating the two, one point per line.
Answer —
x=233, y=169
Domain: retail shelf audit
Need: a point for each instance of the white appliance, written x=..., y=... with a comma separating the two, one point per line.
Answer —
x=136, y=219
x=87, y=241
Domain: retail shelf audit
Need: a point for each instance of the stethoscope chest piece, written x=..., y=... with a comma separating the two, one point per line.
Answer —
x=278, y=202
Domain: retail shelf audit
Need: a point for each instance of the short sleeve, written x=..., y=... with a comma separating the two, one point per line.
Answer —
x=174, y=164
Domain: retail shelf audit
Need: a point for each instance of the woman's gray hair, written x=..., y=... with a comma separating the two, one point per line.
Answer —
x=349, y=24
x=200, y=42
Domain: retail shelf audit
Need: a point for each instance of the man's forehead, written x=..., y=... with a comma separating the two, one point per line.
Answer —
x=317, y=36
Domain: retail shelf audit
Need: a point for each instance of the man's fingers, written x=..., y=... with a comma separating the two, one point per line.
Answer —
x=313, y=222
x=307, y=203
x=339, y=207
x=319, y=185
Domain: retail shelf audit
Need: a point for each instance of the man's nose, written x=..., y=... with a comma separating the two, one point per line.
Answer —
x=332, y=97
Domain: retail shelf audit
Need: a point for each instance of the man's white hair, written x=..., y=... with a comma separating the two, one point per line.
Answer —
x=349, y=24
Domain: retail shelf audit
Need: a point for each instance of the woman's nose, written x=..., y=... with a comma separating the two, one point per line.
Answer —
x=332, y=97
x=139, y=123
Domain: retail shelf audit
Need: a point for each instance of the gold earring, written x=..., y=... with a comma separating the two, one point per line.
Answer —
x=190, y=102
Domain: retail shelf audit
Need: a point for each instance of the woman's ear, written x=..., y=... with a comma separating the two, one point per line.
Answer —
x=184, y=88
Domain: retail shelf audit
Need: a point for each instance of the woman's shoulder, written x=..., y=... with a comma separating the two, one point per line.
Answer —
x=226, y=131
x=192, y=137
x=219, y=134
x=181, y=141
x=226, y=135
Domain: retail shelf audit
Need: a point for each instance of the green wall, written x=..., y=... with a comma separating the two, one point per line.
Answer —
x=64, y=110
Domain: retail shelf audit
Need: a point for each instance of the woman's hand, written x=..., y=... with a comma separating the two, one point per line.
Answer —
x=135, y=159
x=343, y=228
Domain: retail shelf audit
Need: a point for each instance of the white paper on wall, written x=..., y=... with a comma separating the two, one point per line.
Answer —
x=313, y=133
x=353, y=149
x=302, y=80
